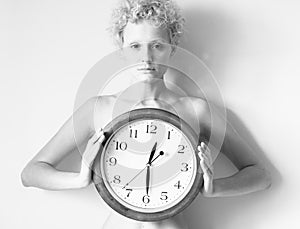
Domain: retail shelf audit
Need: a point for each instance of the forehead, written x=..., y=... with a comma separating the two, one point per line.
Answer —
x=144, y=31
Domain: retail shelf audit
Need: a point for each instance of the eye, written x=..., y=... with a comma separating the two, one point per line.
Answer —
x=157, y=46
x=135, y=46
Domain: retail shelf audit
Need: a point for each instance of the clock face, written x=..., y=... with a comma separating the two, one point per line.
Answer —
x=140, y=185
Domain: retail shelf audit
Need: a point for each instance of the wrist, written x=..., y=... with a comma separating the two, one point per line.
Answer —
x=218, y=188
x=84, y=177
x=209, y=188
x=83, y=180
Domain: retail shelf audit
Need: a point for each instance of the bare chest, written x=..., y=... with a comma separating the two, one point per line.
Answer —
x=183, y=110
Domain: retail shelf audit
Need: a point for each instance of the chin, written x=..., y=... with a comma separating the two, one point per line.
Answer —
x=148, y=76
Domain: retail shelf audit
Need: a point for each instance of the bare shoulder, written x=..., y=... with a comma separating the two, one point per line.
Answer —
x=200, y=105
x=106, y=100
x=103, y=110
x=96, y=106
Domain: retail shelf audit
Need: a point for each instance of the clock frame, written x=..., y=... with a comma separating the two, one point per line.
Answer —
x=142, y=114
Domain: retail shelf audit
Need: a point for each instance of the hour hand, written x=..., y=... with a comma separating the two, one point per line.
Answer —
x=152, y=154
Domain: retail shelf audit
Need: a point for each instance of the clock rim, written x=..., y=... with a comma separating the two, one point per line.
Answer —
x=123, y=119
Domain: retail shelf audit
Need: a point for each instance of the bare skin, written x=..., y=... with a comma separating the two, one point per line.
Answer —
x=170, y=100
x=147, y=47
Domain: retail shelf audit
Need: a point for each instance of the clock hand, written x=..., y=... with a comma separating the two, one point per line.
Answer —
x=134, y=177
x=148, y=167
x=147, y=179
x=152, y=153
x=148, y=171
x=160, y=154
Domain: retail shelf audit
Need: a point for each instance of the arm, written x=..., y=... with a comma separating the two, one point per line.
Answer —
x=247, y=180
x=251, y=175
x=40, y=172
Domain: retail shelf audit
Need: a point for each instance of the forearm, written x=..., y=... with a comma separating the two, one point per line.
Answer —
x=45, y=176
x=247, y=180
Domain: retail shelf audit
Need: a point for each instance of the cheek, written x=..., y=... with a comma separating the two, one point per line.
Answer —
x=162, y=55
x=163, y=61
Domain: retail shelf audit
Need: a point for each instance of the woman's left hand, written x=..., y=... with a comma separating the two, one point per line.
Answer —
x=207, y=168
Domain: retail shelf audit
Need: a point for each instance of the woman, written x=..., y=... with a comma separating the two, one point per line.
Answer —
x=151, y=29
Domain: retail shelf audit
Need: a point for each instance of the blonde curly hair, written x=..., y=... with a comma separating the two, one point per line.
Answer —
x=161, y=13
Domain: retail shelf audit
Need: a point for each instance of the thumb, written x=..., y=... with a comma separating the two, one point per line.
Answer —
x=90, y=154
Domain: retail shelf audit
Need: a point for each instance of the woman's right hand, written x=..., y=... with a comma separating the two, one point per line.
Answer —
x=89, y=156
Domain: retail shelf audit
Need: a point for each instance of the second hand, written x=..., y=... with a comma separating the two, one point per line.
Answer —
x=134, y=177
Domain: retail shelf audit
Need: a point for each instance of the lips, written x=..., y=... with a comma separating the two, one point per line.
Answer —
x=147, y=69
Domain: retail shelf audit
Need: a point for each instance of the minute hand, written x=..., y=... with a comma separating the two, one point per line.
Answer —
x=147, y=179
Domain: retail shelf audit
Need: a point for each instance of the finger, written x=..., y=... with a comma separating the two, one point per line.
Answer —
x=208, y=170
x=99, y=132
x=100, y=139
x=97, y=136
x=202, y=155
x=206, y=159
x=91, y=154
x=205, y=155
x=199, y=148
x=206, y=152
x=205, y=147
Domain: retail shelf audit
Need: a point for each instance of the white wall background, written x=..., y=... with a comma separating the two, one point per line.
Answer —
x=252, y=47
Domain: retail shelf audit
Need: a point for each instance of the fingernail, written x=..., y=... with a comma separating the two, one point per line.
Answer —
x=102, y=138
x=99, y=132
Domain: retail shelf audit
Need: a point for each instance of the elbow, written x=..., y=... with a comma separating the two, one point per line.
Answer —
x=26, y=175
x=266, y=178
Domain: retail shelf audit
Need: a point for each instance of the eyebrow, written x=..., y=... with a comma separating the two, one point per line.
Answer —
x=160, y=40
x=153, y=41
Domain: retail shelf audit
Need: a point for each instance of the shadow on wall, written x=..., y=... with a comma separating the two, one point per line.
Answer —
x=213, y=37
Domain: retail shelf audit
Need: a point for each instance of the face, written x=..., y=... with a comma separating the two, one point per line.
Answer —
x=147, y=46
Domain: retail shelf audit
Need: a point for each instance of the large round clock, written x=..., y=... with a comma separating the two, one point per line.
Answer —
x=147, y=167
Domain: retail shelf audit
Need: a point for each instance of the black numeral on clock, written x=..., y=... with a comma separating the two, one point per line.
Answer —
x=178, y=185
x=184, y=167
x=169, y=134
x=112, y=161
x=117, y=179
x=146, y=199
x=181, y=149
x=151, y=129
x=121, y=145
x=164, y=196
x=129, y=191
x=133, y=133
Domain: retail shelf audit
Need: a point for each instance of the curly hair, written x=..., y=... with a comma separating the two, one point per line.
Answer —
x=161, y=13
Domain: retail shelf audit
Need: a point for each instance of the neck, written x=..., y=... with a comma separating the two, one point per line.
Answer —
x=152, y=89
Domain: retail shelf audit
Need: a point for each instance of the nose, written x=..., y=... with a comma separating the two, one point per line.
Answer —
x=146, y=54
